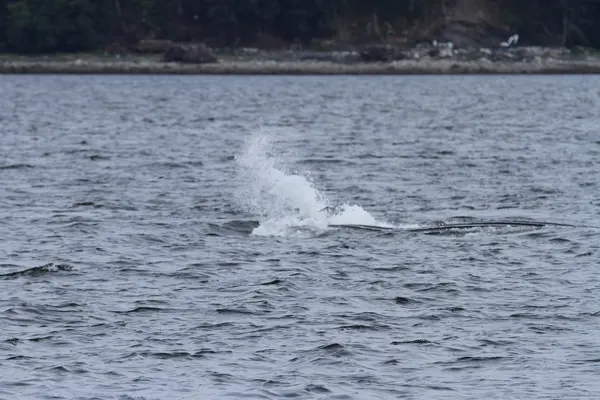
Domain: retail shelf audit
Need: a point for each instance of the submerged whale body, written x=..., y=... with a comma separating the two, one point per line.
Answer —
x=246, y=227
x=463, y=225
x=451, y=227
x=442, y=227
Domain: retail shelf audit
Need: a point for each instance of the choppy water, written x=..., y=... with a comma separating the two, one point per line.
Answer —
x=191, y=259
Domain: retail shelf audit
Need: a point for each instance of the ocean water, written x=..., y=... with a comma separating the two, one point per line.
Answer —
x=195, y=237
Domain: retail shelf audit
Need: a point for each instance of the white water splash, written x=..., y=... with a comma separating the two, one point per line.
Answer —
x=287, y=203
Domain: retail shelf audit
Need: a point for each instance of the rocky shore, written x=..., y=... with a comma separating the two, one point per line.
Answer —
x=425, y=58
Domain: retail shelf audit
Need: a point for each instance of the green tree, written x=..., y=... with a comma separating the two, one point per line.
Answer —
x=38, y=26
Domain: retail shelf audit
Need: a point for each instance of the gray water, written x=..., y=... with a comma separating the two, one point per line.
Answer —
x=163, y=237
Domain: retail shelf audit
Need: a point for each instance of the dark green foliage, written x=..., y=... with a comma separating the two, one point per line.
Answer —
x=3, y=13
x=39, y=26
x=32, y=26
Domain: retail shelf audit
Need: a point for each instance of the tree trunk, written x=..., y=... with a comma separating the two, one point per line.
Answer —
x=375, y=23
x=120, y=15
x=444, y=12
x=565, y=22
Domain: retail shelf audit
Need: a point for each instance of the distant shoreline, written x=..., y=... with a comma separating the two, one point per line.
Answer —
x=97, y=65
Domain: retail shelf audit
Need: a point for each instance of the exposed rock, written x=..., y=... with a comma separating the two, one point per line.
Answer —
x=249, y=50
x=382, y=53
x=153, y=46
x=115, y=49
x=504, y=56
x=468, y=34
x=433, y=52
x=441, y=52
x=425, y=65
x=424, y=52
x=190, y=53
x=268, y=42
x=331, y=56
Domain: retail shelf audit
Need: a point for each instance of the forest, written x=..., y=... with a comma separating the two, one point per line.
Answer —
x=53, y=26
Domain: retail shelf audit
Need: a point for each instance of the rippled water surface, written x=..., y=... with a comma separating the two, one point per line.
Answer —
x=180, y=238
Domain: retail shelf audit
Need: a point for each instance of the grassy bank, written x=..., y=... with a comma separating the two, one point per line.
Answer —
x=74, y=64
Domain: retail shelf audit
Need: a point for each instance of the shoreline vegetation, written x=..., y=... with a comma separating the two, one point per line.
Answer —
x=516, y=60
x=268, y=37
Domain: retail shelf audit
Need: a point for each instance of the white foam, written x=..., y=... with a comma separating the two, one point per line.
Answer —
x=287, y=203
x=354, y=214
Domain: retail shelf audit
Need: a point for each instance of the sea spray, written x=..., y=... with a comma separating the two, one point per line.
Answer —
x=268, y=189
x=284, y=201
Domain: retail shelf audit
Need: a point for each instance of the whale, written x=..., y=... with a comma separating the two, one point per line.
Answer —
x=436, y=229
x=443, y=227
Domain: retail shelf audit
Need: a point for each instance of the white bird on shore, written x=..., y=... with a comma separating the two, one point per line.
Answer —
x=511, y=40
